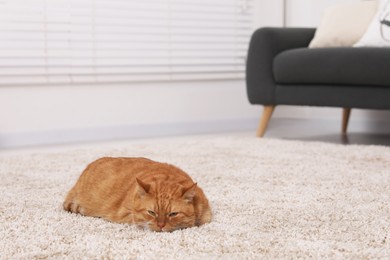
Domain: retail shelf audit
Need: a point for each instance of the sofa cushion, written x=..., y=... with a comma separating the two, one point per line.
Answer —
x=336, y=28
x=331, y=66
x=378, y=32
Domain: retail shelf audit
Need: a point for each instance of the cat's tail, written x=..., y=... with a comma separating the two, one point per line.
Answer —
x=69, y=203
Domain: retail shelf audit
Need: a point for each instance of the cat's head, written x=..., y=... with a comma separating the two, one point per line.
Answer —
x=165, y=208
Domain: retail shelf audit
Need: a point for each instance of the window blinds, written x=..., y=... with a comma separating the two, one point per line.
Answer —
x=101, y=41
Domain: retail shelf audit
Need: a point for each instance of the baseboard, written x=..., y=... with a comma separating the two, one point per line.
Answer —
x=311, y=112
x=66, y=136
x=277, y=126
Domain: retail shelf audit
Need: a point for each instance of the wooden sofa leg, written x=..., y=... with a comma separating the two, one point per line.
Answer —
x=346, y=114
x=267, y=113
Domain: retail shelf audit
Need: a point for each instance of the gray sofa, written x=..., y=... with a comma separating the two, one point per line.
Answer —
x=282, y=70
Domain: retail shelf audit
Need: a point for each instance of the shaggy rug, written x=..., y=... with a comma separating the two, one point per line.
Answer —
x=270, y=198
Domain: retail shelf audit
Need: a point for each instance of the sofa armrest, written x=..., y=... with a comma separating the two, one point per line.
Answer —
x=265, y=44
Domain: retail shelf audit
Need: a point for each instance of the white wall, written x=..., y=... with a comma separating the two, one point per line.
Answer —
x=52, y=108
x=37, y=115
x=268, y=13
x=307, y=13
x=299, y=13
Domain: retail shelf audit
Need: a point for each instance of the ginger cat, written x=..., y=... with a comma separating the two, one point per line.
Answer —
x=152, y=195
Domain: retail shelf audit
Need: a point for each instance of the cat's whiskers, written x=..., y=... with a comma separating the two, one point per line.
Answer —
x=146, y=225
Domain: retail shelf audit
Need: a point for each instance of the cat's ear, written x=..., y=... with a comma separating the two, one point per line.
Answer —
x=143, y=188
x=189, y=193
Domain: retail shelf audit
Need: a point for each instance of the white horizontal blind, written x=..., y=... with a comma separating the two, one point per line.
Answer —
x=101, y=41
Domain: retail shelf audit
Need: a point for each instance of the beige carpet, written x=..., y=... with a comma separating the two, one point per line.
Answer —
x=271, y=199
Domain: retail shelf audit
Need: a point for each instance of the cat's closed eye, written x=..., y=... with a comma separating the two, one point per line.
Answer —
x=173, y=214
x=152, y=213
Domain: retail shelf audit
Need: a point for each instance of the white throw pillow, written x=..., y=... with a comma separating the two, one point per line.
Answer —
x=378, y=33
x=344, y=24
